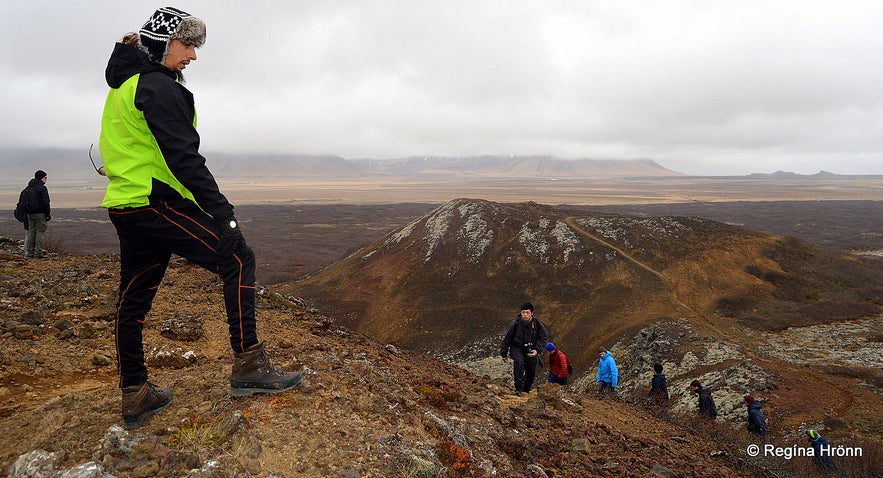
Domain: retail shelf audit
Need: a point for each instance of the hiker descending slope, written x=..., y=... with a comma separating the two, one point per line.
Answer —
x=608, y=375
x=707, y=407
x=524, y=337
x=559, y=365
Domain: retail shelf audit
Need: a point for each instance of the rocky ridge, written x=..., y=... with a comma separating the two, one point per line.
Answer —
x=372, y=408
x=366, y=409
x=741, y=311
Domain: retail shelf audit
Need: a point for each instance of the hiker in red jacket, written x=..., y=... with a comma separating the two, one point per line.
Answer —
x=559, y=365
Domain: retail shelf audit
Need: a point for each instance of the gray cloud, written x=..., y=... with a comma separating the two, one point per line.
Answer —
x=702, y=87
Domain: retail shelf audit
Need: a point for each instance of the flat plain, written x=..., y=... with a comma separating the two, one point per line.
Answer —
x=298, y=227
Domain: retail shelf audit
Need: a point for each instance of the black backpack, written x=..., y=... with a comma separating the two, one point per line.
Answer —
x=20, y=215
x=24, y=205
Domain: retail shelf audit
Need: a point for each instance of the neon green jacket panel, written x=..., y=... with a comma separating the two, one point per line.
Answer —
x=132, y=157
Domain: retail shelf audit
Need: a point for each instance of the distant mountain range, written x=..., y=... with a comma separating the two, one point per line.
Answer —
x=73, y=167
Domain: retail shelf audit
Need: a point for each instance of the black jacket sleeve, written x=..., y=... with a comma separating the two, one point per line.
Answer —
x=43, y=193
x=706, y=404
x=507, y=339
x=169, y=112
x=542, y=336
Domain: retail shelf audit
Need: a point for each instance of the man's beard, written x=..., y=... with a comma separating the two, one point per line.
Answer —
x=179, y=73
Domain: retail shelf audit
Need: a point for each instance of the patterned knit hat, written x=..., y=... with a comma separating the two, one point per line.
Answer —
x=169, y=24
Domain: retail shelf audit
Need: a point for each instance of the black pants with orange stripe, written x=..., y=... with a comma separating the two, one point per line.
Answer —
x=149, y=236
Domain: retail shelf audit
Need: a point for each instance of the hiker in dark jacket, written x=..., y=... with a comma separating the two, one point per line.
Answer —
x=524, y=337
x=706, y=403
x=821, y=452
x=658, y=386
x=756, y=419
x=38, y=212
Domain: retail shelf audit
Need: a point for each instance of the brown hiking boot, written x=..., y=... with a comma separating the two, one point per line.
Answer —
x=140, y=402
x=253, y=373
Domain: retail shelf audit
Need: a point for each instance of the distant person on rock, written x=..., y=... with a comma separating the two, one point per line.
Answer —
x=756, y=419
x=163, y=200
x=658, y=385
x=559, y=365
x=707, y=407
x=524, y=336
x=608, y=375
x=36, y=197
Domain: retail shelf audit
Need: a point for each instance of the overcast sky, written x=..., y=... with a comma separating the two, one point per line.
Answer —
x=702, y=87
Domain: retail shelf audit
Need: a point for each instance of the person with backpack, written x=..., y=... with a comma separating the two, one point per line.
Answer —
x=559, y=365
x=821, y=456
x=707, y=407
x=658, y=385
x=756, y=419
x=524, y=336
x=34, y=202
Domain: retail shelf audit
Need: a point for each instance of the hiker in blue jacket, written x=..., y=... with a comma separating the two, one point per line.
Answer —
x=608, y=375
x=756, y=419
x=821, y=453
x=707, y=408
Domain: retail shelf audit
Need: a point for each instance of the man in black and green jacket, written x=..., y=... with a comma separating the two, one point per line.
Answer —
x=163, y=200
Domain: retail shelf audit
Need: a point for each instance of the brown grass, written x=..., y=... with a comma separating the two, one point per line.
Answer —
x=437, y=397
x=871, y=376
x=869, y=464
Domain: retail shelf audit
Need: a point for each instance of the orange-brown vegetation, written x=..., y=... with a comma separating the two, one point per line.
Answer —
x=769, y=305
